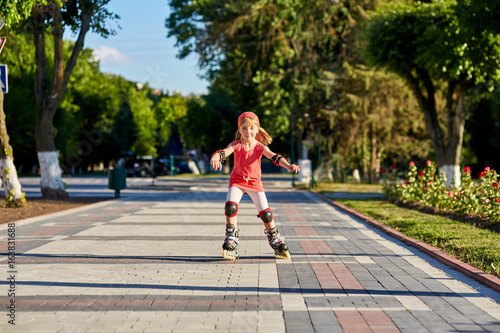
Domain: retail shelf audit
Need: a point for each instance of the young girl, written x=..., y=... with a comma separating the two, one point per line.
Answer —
x=250, y=144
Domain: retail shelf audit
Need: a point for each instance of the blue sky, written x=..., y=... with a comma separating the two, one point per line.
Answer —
x=141, y=52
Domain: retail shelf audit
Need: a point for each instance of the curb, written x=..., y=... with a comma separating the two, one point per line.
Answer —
x=56, y=214
x=485, y=278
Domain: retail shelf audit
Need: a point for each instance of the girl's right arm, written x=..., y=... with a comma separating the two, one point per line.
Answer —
x=219, y=156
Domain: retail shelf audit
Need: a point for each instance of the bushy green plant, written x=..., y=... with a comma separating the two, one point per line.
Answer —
x=481, y=196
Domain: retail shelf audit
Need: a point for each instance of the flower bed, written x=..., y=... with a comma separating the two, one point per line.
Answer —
x=479, y=197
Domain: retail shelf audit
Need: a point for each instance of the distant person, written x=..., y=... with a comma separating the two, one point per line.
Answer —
x=250, y=144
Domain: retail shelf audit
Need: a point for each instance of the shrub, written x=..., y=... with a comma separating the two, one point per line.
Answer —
x=481, y=196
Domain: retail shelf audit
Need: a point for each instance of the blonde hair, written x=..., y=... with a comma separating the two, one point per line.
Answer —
x=262, y=136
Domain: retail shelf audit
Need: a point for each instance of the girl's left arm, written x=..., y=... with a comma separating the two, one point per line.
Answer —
x=280, y=160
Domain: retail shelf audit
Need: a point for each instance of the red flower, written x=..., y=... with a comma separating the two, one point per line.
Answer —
x=497, y=200
x=494, y=184
x=481, y=174
x=450, y=194
x=393, y=167
x=467, y=169
x=429, y=162
x=382, y=170
x=487, y=169
x=421, y=173
x=412, y=163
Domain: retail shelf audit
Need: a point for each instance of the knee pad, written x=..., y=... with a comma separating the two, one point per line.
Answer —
x=266, y=215
x=231, y=209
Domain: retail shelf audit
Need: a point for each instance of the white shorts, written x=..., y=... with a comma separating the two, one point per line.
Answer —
x=259, y=199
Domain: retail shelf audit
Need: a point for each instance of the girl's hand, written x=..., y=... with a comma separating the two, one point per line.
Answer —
x=216, y=164
x=294, y=168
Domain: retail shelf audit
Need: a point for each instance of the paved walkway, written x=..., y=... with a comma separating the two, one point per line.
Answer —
x=151, y=262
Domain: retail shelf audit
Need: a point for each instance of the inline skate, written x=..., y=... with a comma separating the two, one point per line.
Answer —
x=230, y=246
x=278, y=244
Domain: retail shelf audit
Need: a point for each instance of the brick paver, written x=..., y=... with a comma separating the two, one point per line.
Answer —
x=152, y=263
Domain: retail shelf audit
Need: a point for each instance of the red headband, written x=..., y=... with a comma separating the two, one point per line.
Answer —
x=248, y=115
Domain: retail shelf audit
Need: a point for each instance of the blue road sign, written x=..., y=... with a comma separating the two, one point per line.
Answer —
x=4, y=78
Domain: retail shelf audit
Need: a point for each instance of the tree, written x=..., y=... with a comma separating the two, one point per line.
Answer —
x=423, y=43
x=268, y=55
x=19, y=103
x=85, y=120
x=145, y=122
x=479, y=15
x=370, y=116
x=170, y=110
x=80, y=16
x=209, y=122
x=11, y=12
x=282, y=59
x=8, y=172
x=376, y=117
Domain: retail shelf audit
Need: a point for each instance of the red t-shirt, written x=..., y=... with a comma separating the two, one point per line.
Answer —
x=247, y=173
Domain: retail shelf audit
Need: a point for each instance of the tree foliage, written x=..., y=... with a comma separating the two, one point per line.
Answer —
x=14, y=11
x=425, y=44
x=210, y=122
x=146, y=123
x=379, y=119
x=283, y=60
x=296, y=64
x=428, y=36
x=476, y=16
x=263, y=52
x=100, y=116
x=169, y=111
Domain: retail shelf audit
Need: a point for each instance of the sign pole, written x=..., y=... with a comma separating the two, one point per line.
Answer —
x=2, y=42
x=3, y=68
x=4, y=79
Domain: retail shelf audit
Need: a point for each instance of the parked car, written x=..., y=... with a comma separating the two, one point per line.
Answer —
x=142, y=167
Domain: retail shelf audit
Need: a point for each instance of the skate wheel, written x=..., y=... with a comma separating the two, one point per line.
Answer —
x=230, y=255
x=283, y=255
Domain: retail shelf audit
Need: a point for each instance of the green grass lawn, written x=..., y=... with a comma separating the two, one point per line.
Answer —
x=343, y=187
x=475, y=246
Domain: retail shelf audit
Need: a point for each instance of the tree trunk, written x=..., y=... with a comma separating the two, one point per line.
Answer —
x=456, y=125
x=8, y=172
x=447, y=151
x=48, y=98
x=374, y=163
x=364, y=158
x=51, y=183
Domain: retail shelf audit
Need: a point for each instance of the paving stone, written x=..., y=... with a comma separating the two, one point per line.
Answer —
x=129, y=265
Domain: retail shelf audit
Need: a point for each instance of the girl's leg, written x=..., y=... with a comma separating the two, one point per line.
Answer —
x=233, y=199
x=230, y=245
x=273, y=236
x=260, y=201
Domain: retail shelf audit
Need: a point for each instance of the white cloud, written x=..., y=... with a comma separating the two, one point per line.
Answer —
x=110, y=56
